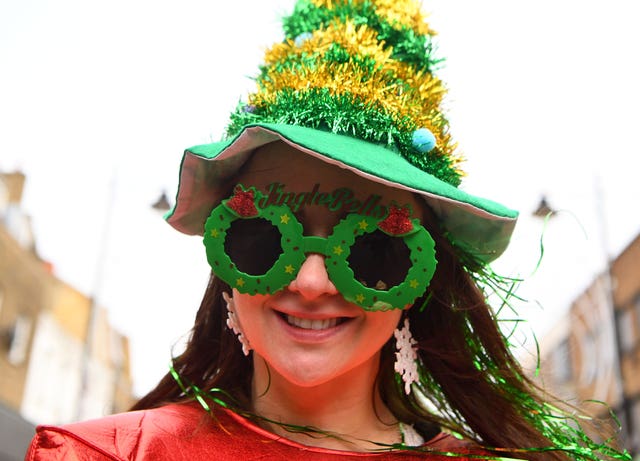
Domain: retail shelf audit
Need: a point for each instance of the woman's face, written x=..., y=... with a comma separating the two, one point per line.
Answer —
x=307, y=332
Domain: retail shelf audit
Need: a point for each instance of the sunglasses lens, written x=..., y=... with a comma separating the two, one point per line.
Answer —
x=379, y=261
x=253, y=245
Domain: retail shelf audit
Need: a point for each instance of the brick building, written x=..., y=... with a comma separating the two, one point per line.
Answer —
x=51, y=369
x=594, y=352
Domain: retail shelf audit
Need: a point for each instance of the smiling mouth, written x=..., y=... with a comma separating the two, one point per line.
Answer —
x=311, y=324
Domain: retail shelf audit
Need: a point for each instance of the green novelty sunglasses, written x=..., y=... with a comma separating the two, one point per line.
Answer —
x=378, y=264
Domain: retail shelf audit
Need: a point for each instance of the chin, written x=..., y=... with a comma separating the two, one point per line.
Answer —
x=309, y=374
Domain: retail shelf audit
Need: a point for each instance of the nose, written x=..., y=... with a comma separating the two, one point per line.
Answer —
x=312, y=280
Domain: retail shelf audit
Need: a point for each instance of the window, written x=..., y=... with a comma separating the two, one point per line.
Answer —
x=20, y=340
x=562, y=366
x=635, y=423
x=637, y=313
x=590, y=358
x=626, y=329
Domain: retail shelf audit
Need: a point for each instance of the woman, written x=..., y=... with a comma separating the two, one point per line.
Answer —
x=344, y=317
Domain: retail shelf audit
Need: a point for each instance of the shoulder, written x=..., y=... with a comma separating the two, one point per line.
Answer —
x=186, y=432
x=146, y=434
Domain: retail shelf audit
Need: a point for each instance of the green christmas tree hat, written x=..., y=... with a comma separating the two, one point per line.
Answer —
x=352, y=84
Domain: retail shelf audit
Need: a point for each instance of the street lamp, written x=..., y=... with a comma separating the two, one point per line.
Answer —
x=544, y=209
x=162, y=204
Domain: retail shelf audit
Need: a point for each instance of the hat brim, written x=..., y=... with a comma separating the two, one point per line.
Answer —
x=478, y=226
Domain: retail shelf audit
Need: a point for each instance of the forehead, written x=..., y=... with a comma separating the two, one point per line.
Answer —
x=299, y=171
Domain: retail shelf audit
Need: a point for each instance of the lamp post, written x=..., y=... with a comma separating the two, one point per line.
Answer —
x=162, y=204
x=90, y=331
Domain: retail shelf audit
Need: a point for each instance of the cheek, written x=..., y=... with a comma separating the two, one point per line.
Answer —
x=248, y=309
x=383, y=324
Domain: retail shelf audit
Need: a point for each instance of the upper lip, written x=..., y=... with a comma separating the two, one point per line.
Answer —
x=321, y=315
x=313, y=310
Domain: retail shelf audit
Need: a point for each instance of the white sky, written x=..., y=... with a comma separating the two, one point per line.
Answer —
x=543, y=98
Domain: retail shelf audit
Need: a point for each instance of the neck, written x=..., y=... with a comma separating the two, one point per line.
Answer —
x=348, y=406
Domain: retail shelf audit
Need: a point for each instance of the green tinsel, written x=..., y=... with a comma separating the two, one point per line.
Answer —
x=408, y=47
x=564, y=428
x=335, y=54
x=345, y=114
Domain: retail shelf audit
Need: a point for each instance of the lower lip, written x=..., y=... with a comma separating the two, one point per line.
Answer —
x=312, y=336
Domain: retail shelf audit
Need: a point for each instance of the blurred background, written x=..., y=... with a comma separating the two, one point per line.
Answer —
x=98, y=100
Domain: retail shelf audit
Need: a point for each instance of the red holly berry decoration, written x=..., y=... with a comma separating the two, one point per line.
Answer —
x=242, y=202
x=397, y=221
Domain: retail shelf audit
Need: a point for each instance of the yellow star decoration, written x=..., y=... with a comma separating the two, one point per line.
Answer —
x=240, y=282
x=214, y=233
x=414, y=283
x=359, y=297
x=288, y=269
x=363, y=224
x=337, y=250
x=284, y=219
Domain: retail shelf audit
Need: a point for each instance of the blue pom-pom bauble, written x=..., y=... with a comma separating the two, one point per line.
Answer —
x=303, y=37
x=423, y=140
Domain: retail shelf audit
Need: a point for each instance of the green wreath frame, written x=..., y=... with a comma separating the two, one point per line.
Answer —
x=336, y=248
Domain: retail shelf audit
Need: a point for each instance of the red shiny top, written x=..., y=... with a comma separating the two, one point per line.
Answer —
x=186, y=432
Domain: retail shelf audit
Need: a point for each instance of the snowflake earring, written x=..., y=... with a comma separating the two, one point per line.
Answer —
x=234, y=324
x=406, y=364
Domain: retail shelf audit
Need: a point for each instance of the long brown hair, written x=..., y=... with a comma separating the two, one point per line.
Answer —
x=483, y=405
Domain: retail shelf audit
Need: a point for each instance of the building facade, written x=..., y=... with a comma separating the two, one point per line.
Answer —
x=625, y=272
x=593, y=354
x=60, y=359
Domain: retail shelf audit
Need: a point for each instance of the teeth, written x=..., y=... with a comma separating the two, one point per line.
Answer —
x=309, y=324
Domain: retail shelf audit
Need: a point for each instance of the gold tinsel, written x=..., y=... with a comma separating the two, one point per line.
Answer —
x=396, y=12
x=356, y=41
x=396, y=87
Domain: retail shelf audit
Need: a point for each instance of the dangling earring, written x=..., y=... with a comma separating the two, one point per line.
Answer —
x=406, y=364
x=234, y=324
